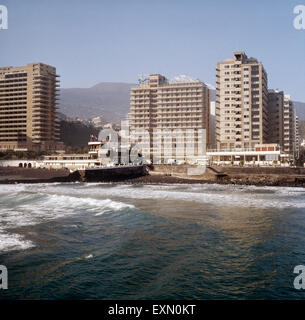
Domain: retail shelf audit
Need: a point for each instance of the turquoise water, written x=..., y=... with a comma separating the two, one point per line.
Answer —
x=103, y=241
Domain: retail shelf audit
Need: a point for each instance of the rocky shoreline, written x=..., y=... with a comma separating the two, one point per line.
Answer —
x=9, y=175
x=235, y=180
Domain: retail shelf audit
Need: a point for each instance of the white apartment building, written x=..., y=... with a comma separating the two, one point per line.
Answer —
x=167, y=116
x=291, y=128
x=241, y=103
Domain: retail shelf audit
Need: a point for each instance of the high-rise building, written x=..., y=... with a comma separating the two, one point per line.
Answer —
x=283, y=122
x=212, y=144
x=160, y=106
x=276, y=117
x=297, y=138
x=241, y=103
x=289, y=125
x=28, y=100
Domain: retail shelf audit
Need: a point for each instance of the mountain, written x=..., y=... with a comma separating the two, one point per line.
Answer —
x=109, y=99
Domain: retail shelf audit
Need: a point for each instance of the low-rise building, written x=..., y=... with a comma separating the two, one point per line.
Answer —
x=261, y=154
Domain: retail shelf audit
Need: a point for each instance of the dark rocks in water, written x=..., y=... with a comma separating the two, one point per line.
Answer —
x=113, y=173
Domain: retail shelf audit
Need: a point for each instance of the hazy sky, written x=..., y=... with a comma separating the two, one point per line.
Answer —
x=116, y=40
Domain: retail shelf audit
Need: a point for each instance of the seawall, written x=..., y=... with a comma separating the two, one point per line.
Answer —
x=262, y=176
x=186, y=171
x=160, y=174
x=112, y=173
x=9, y=175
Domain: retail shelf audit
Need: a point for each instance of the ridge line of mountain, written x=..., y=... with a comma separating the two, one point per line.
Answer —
x=111, y=100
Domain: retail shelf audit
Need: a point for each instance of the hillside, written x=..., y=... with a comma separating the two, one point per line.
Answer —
x=111, y=100
x=106, y=98
x=76, y=135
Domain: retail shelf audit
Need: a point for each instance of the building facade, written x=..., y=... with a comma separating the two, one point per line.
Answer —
x=276, y=117
x=28, y=103
x=291, y=128
x=241, y=103
x=297, y=137
x=160, y=109
x=283, y=123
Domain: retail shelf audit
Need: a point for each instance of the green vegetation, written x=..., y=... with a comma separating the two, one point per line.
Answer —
x=75, y=136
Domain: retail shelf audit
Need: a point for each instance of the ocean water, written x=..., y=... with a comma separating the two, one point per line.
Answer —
x=112, y=241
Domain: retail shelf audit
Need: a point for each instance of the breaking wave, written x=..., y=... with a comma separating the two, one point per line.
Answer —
x=29, y=208
x=216, y=194
x=25, y=204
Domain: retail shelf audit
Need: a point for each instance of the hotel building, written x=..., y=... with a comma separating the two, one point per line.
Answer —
x=241, y=103
x=159, y=108
x=283, y=123
x=291, y=128
x=297, y=138
x=28, y=103
x=276, y=117
x=253, y=124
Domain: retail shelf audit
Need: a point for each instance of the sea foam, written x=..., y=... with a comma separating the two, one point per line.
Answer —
x=26, y=208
